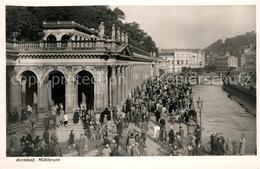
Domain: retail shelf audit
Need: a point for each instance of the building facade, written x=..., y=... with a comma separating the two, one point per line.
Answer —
x=248, y=59
x=226, y=63
x=177, y=59
x=73, y=65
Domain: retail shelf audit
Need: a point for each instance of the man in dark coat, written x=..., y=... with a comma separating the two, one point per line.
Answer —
x=119, y=127
x=219, y=147
x=197, y=135
x=171, y=135
x=76, y=116
x=46, y=136
x=102, y=116
x=46, y=122
x=71, y=140
x=213, y=138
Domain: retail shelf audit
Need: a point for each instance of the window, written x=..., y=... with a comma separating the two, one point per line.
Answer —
x=178, y=62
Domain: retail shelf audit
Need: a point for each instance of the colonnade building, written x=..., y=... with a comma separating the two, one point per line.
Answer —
x=74, y=65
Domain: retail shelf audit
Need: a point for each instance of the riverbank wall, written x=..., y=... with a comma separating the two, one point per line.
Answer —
x=245, y=97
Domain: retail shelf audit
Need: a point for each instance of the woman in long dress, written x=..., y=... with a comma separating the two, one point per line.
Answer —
x=228, y=147
x=242, y=145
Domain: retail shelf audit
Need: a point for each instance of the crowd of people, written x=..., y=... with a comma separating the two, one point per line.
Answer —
x=26, y=114
x=31, y=144
x=221, y=146
x=167, y=99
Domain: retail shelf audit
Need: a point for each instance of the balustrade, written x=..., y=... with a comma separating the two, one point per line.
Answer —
x=56, y=45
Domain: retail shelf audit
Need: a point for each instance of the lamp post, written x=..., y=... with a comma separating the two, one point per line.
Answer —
x=200, y=105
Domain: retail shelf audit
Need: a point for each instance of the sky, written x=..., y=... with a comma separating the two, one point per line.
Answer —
x=191, y=26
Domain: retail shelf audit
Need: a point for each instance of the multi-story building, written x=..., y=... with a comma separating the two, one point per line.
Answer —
x=248, y=59
x=73, y=65
x=177, y=59
x=226, y=63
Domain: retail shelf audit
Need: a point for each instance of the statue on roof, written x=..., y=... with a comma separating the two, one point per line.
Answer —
x=101, y=30
x=126, y=38
x=113, y=36
x=123, y=37
x=118, y=34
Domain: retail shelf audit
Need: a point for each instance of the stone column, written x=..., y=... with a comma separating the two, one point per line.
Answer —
x=113, y=84
x=15, y=95
x=76, y=94
x=23, y=93
x=49, y=91
x=70, y=95
x=123, y=83
x=42, y=99
x=101, y=88
x=126, y=82
x=118, y=76
x=129, y=79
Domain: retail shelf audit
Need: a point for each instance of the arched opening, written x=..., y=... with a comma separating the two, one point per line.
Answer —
x=29, y=89
x=56, y=88
x=81, y=43
x=64, y=40
x=51, y=41
x=85, y=81
x=76, y=41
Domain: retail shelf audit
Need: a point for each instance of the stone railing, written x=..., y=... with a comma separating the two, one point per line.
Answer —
x=22, y=45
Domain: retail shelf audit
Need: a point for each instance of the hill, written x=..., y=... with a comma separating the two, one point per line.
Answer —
x=234, y=45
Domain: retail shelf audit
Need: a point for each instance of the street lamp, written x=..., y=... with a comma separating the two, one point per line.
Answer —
x=200, y=105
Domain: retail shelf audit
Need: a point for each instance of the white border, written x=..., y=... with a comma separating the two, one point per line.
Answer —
x=236, y=162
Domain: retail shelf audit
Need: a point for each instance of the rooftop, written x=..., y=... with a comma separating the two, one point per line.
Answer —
x=69, y=25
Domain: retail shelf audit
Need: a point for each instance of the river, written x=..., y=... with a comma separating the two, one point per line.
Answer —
x=222, y=114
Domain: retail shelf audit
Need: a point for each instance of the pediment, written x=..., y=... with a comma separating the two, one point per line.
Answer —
x=127, y=51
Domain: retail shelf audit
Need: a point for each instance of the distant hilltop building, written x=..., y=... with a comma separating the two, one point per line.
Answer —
x=226, y=63
x=175, y=60
x=248, y=59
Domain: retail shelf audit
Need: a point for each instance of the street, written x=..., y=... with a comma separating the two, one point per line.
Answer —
x=221, y=114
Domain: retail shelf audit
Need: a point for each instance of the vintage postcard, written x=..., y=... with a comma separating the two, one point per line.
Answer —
x=175, y=82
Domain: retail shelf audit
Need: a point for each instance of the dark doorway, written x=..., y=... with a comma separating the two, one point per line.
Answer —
x=85, y=81
x=29, y=88
x=64, y=41
x=57, y=87
x=51, y=41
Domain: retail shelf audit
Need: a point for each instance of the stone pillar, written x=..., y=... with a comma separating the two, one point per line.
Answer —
x=126, y=82
x=70, y=95
x=118, y=76
x=122, y=83
x=105, y=87
x=113, y=84
x=49, y=91
x=101, y=89
x=43, y=106
x=23, y=94
x=129, y=79
x=75, y=103
x=15, y=95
